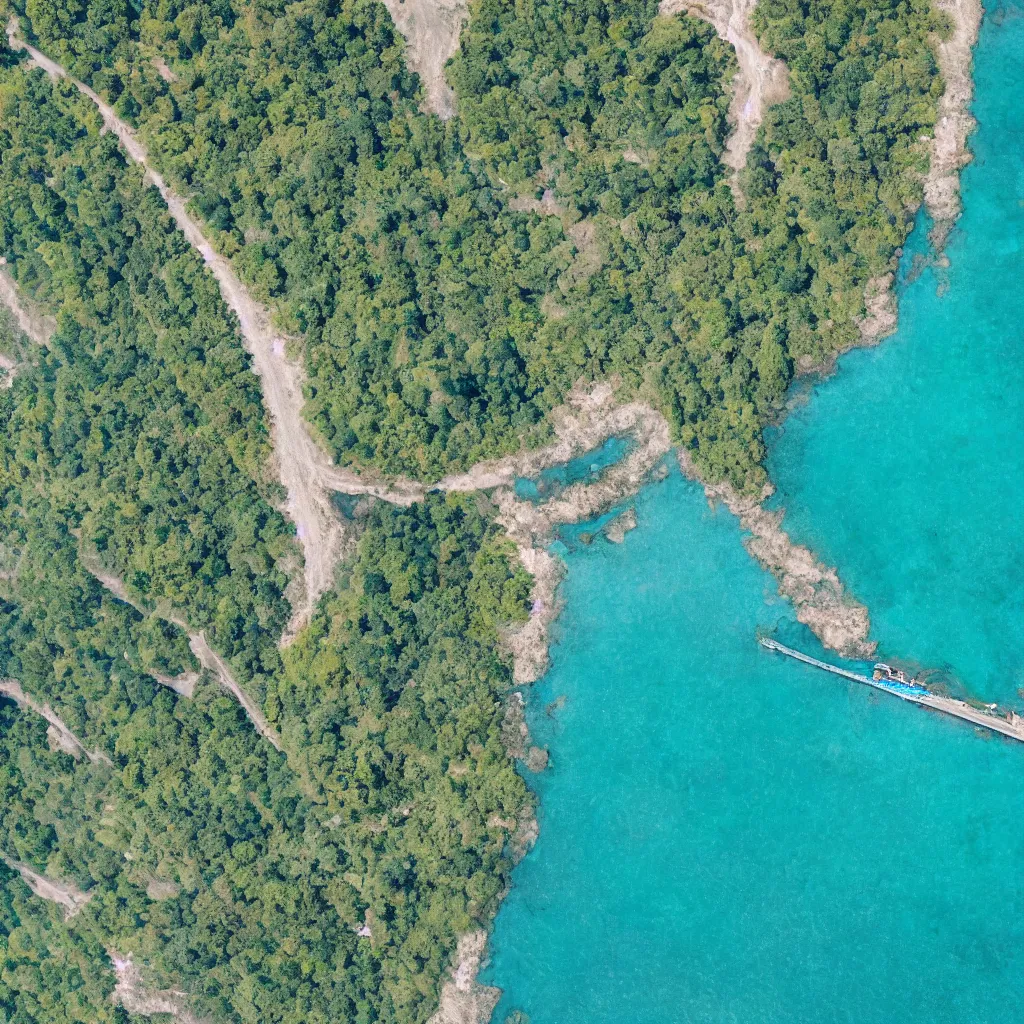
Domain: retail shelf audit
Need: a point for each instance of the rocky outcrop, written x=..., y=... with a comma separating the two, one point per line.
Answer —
x=954, y=124
x=814, y=589
x=463, y=999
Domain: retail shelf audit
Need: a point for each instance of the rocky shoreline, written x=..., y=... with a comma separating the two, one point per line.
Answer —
x=955, y=122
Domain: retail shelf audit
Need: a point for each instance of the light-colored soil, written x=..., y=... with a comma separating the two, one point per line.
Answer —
x=955, y=123
x=7, y=368
x=132, y=993
x=164, y=71
x=761, y=80
x=431, y=29
x=60, y=736
x=29, y=319
x=463, y=999
x=69, y=896
x=300, y=462
x=184, y=684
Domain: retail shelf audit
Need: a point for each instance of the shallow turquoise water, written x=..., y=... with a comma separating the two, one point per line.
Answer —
x=906, y=468
x=587, y=466
x=730, y=837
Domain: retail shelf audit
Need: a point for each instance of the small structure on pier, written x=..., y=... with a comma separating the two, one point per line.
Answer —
x=896, y=683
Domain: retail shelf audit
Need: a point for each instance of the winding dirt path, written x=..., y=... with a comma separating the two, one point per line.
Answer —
x=60, y=735
x=69, y=896
x=301, y=464
x=761, y=80
x=206, y=656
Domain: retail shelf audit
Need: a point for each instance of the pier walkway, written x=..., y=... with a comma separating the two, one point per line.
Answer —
x=1011, y=726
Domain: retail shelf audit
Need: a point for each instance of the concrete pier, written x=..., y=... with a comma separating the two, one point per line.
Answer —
x=1011, y=726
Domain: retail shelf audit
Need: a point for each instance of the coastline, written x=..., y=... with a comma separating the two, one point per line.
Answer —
x=814, y=589
x=955, y=122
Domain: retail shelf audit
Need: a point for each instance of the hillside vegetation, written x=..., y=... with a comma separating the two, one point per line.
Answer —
x=442, y=317
x=449, y=281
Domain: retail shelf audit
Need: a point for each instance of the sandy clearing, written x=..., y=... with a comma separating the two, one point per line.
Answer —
x=69, y=896
x=61, y=737
x=300, y=462
x=132, y=994
x=431, y=29
x=761, y=80
x=954, y=123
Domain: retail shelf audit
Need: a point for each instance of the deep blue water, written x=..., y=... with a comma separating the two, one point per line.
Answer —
x=727, y=836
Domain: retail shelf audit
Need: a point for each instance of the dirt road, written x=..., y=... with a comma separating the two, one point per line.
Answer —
x=761, y=80
x=301, y=464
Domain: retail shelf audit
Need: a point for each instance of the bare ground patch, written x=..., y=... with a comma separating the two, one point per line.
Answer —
x=431, y=29
x=66, y=895
x=29, y=318
x=132, y=993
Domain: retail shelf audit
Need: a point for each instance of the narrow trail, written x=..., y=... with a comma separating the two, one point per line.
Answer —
x=301, y=464
x=761, y=80
x=60, y=735
x=216, y=665
x=69, y=896
x=205, y=655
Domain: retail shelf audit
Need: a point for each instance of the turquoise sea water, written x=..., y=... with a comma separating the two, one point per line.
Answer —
x=584, y=467
x=906, y=468
x=727, y=836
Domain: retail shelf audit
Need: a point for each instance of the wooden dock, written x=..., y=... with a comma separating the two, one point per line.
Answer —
x=1011, y=726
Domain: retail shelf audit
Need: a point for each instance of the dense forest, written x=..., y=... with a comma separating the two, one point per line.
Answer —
x=135, y=440
x=444, y=313
x=450, y=281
